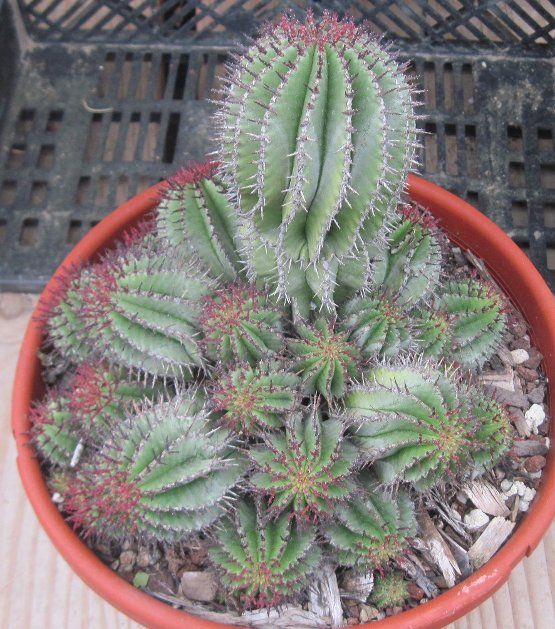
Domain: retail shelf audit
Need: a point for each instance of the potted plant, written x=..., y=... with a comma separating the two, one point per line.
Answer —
x=267, y=354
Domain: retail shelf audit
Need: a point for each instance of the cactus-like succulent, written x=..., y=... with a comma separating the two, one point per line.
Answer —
x=81, y=407
x=53, y=430
x=308, y=469
x=477, y=320
x=407, y=267
x=161, y=475
x=390, y=590
x=317, y=134
x=373, y=529
x=262, y=561
x=378, y=326
x=324, y=359
x=417, y=423
x=58, y=308
x=432, y=332
x=250, y=399
x=493, y=436
x=273, y=460
x=239, y=324
x=195, y=214
x=95, y=394
x=142, y=311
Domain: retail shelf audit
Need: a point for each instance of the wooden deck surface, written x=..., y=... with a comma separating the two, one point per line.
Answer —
x=39, y=591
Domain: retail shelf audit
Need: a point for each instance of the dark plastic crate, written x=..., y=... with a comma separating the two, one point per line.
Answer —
x=100, y=99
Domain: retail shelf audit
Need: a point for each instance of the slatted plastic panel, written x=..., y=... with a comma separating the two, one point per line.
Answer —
x=86, y=128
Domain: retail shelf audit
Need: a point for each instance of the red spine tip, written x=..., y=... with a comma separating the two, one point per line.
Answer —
x=193, y=174
x=329, y=30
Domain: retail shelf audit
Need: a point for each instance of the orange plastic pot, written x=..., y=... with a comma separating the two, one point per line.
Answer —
x=468, y=228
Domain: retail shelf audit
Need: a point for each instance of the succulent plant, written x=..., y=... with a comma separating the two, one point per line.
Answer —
x=317, y=134
x=264, y=562
x=281, y=449
x=53, y=430
x=417, y=423
x=323, y=358
x=141, y=311
x=477, y=320
x=407, y=267
x=493, y=436
x=373, y=529
x=58, y=308
x=390, y=590
x=432, y=332
x=377, y=325
x=81, y=407
x=161, y=475
x=306, y=470
x=251, y=399
x=95, y=393
x=239, y=324
x=195, y=214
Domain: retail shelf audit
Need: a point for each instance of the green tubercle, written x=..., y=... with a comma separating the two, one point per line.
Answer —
x=417, y=423
x=378, y=326
x=161, y=475
x=390, y=590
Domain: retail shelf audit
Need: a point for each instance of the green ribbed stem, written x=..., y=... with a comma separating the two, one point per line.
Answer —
x=316, y=139
x=264, y=563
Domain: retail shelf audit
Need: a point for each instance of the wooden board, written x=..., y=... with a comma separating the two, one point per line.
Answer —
x=39, y=591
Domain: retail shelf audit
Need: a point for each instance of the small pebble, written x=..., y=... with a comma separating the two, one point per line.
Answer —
x=521, y=343
x=530, y=375
x=143, y=558
x=537, y=395
x=535, y=359
x=511, y=398
x=519, y=356
x=506, y=485
x=199, y=586
x=371, y=611
x=530, y=447
x=520, y=423
x=127, y=560
x=416, y=593
x=535, y=416
x=534, y=463
x=476, y=520
x=528, y=494
x=517, y=487
x=519, y=328
x=523, y=506
x=461, y=497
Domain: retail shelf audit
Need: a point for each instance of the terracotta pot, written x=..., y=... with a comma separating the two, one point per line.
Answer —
x=467, y=227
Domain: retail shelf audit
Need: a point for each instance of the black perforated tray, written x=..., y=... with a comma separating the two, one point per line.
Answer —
x=100, y=99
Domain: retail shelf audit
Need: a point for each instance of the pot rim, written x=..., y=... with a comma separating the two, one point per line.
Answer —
x=521, y=281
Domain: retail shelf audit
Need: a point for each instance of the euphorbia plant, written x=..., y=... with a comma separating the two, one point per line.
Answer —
x=268, y=364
